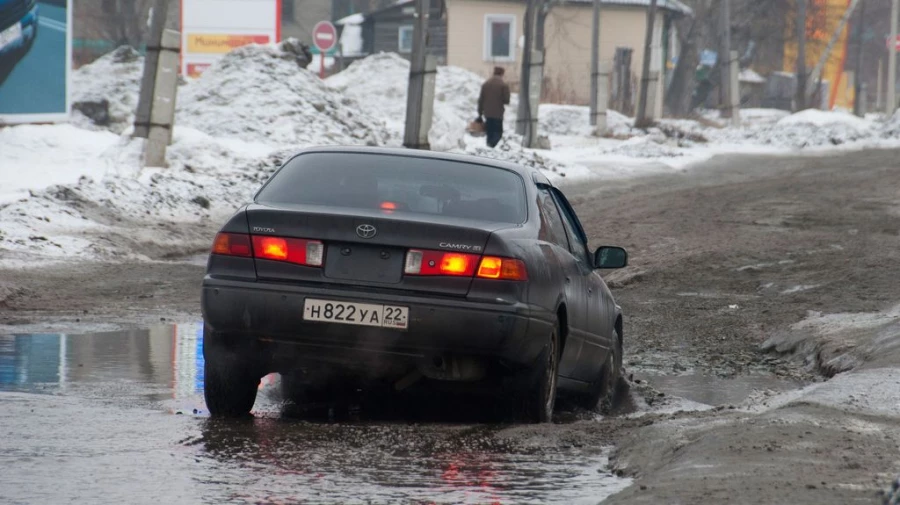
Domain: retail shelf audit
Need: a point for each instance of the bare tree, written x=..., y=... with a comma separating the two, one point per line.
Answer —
x=124, y=22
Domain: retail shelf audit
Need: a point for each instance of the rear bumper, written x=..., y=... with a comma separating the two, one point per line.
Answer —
x=437, y=327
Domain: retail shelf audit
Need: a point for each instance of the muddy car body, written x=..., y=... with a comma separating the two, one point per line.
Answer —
x=361, y=265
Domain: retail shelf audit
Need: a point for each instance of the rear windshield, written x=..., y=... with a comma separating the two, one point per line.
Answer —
x=399, y=183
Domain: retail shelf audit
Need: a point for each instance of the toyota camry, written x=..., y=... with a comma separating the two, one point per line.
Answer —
x=360, y=266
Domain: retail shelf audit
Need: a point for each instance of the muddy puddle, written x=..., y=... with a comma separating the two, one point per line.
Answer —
x=119, y=418
x=715, y=391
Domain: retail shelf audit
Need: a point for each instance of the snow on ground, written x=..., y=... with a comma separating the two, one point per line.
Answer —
x=35, y=157
x=68, y=190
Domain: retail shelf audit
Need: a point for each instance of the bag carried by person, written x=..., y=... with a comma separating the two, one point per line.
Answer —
x=476, y=127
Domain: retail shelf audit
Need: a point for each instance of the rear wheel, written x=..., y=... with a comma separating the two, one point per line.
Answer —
x=604, y=389
x=229, y=381
x=540, y=395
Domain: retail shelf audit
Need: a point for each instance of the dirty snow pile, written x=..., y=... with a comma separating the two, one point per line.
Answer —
x=259, y=94
x=114, y=80
x=575, y=120
x=379, y=84
x=808, y=128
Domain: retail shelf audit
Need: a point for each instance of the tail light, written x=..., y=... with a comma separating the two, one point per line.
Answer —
x=292, y=250
x=508, y=269
x=440, y=263
x=431, y=263
x=232, y=244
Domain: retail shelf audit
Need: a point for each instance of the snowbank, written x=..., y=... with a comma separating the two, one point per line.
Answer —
x=259, y=94
x=379, y=84
x=114, y=78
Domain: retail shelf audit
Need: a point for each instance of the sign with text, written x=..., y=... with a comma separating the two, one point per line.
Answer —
x=35, y=60
x=212, y=28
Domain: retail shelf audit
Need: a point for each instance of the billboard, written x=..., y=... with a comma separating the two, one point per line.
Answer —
x=35, y=58
x=823, y=18
x=211, y=28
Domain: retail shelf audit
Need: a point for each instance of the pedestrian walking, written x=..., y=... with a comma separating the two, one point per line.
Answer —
x=492, y=104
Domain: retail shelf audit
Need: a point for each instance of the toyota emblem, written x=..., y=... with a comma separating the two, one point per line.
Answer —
x=366, y=231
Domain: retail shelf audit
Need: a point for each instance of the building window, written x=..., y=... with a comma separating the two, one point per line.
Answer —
x=499, y=37
x=405, y=39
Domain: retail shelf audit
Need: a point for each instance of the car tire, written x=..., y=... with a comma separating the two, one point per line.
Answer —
x=605, y=388
x=540, y=394
x=229, y=382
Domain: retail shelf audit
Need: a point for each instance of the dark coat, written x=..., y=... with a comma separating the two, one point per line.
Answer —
x=494, y=98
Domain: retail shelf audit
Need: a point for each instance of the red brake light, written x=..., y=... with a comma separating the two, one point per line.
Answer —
x=440, y=263
x=232, y=244
x=457, y=264
x=272, y=248
x=388, y=206
x=420, y=262
x=293, y=250
x=502, y=268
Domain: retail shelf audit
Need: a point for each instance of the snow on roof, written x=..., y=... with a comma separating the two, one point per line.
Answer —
x=352, y=19
x=750, y=75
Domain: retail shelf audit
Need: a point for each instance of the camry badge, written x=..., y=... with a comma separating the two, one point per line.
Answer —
x=366, y=231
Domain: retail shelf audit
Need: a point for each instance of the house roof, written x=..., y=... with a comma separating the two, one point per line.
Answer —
x=670, y=5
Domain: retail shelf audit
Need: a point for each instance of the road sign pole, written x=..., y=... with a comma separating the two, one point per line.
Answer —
x=324, y=37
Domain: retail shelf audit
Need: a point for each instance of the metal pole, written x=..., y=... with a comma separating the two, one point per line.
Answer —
x=857, y=77
x=800, y=95
x=641, y=120
x=891, y=102
x=595, y=62
x=725, y=61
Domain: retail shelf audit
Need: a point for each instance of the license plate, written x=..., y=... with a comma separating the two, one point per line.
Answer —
x=10, y=35
x=362, y=314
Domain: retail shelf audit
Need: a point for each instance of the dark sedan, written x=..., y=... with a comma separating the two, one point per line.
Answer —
x=356, y=267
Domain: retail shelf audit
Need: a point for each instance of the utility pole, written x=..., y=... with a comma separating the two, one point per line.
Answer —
x=523, y=116
x=595, y=62
x=420, y=93
x=642, y=121
x=800, y=93
x=857, y=72
x=158, y=16
x=725, y=64
x=891, y=102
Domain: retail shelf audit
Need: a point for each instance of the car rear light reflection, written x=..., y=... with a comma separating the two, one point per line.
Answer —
x=431, y=263
x=232, y=244
x=292, y=250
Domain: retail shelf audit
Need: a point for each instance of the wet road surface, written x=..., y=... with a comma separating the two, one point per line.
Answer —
x=119, y=418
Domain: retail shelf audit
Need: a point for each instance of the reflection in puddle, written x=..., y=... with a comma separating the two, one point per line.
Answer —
x=110, y=394
x=167, y=355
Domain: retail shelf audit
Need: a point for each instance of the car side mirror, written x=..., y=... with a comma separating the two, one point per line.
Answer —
x=610, y=257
